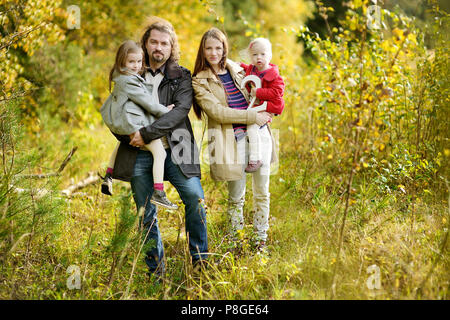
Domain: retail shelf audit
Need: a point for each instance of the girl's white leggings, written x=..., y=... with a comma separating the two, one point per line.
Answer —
x=159, y=156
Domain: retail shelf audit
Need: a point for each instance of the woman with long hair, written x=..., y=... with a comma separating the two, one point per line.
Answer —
x=218, y=95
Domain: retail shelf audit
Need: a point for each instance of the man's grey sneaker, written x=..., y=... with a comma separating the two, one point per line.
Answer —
x=253, y=166
x=107, y=185
x=159, y=198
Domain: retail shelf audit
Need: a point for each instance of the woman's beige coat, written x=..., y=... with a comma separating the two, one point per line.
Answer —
x=211, y=97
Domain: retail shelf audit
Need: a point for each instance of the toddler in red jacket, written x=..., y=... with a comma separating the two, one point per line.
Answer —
x=271, y=91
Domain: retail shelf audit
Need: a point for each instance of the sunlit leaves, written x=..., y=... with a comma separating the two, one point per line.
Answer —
x=374, y=85
x=26, y=27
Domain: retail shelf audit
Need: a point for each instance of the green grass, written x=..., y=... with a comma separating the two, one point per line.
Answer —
x=402, y=238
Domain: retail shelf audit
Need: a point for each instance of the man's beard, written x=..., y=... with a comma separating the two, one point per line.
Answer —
x=158, y=59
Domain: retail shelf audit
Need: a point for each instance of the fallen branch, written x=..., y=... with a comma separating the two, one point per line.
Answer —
x=91, y=179
x=69, y=191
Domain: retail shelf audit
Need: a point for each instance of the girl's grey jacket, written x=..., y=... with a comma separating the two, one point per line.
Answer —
x=175, y=88
x=130, y=106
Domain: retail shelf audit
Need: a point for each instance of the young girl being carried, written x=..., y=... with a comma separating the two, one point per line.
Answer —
x=272, y=90
x=130, y=107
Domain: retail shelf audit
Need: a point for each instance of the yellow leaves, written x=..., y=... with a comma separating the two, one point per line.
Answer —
x=386, y=45
x=32, y=30
x=396, y=68
x=423, y=163
x=401, y=188
x=368, y=97
x=330, y=87
x=398, y=34
x=447, y=152
x=357, y=3
x=61, y=13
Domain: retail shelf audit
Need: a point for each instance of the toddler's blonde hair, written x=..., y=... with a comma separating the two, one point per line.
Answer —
x=262, y=41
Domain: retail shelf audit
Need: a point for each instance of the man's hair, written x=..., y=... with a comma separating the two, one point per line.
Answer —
x=162, y=25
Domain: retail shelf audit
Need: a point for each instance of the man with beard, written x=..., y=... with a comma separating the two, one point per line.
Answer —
x=171, y=84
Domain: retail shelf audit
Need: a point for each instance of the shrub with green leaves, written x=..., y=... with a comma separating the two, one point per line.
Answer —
x=30, y=207
x=381, y=94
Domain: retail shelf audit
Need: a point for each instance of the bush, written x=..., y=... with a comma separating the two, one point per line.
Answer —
x=378, y=105
x=30, y=209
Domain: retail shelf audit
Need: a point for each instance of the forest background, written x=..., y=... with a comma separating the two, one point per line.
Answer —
x=359, y=200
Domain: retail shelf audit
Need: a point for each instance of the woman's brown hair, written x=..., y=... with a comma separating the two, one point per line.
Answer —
x=202, y=64
x=127, y=47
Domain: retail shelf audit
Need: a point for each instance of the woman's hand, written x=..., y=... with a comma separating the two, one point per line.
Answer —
x=262, y=118
x=170, y=106
x=136, y=139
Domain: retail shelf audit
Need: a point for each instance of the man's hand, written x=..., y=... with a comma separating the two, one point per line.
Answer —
x=136, y=139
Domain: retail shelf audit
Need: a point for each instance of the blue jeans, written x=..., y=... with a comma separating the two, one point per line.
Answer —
x=191, y=193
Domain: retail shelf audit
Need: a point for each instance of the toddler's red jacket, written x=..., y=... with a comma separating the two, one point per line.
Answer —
x=272, y=87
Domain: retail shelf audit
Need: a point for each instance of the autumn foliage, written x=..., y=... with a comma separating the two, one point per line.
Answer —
x=364, y=149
